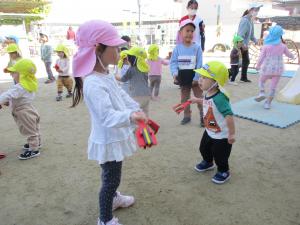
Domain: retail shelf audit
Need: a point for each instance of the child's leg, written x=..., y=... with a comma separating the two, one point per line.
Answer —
x=205, y=148
x=221, y=151
x=157, y=85
x=152, y=82
x=274, y=83
x=111, y=178
x=234, y=72
x=60, y=86
x=198, y=93
x=49, y=70
x=68, y=83
x=27, y=119
x=186, y=95
x=261, y=84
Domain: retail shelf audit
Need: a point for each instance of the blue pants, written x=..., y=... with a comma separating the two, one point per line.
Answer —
x=111, y=178
x=49, y=70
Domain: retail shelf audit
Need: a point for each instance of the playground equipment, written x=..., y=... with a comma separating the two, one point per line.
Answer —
x=291, y=92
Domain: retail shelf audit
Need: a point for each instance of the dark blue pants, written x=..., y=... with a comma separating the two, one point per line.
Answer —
x=215, y=149
x=111, y=178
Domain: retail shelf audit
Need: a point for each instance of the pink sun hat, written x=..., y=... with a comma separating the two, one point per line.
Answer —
x=88, y=36
x=182, y=24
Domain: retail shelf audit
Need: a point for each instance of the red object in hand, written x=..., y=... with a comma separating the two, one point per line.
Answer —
x=56, y=67
x=154, y=126
x=145, y=134
x=180, y=107
x=2, y=155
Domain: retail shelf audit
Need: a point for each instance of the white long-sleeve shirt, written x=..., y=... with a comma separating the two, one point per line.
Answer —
x=17, y=96
x=64, y=66
x=110, y=107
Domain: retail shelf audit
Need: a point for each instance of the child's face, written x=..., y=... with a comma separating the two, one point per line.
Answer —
x=43, y=39
x=15, y=76
x=13, y=55
x=187, y=34
x=61, y=54
x=206, y=83
x=239, y=44
x=111, y=55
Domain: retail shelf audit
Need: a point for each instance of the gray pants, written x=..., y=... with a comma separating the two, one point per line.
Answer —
x=111, y=178
x=154, y=84
x=49, y=70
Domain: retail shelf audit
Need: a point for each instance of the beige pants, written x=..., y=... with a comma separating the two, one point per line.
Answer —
x=28, y=122
x=64, y=82
x=144, y=103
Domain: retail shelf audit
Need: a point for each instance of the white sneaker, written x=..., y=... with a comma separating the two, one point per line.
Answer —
x=267, y=105
x=233, y=83
x=122, y=201
x=260, y=97
x=113, y=221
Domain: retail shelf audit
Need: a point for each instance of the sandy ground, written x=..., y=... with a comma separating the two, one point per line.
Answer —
x=61, y=186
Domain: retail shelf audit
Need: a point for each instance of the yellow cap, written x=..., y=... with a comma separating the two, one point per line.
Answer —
x=123, y=56
x=13, y=48
x=141, y=56
x=64, y=49
x=26, y=69
x=216, y=71
x=153, y=52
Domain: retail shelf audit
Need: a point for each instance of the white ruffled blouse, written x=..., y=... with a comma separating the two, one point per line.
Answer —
x=110, y=107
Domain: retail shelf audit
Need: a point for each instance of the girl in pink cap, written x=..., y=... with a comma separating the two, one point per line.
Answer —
x=111, y=110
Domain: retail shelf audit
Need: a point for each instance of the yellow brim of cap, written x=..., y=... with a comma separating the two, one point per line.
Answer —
x=203, y=72
x=11, y=69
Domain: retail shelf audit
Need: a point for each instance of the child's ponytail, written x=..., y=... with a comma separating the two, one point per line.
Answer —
x=78, y=91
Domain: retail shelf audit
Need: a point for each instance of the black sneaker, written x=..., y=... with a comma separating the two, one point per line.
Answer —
x=29, y=154
x=204, y=166
x=69, y=95
x=245, y=80
x=58, y=98
x=26, y=147
x=185, y=120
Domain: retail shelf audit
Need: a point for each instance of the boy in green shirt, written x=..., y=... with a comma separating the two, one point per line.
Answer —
x=219, y=134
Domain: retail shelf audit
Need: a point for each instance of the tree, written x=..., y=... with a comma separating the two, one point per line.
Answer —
x=39, y=7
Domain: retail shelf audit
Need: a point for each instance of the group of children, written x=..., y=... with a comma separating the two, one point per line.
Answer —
x=113, y=112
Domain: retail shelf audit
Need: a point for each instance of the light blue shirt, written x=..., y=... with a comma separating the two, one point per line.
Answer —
x=186, y=57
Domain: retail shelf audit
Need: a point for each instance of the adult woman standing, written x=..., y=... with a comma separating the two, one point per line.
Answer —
x=246, y=31
x=199, y=34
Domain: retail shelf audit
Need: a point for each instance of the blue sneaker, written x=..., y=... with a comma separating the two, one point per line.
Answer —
x=204, y=166
x=221, y=177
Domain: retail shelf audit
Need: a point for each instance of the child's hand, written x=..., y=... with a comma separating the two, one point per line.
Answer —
x=196, y=100
x=118, y=77
x=231, y=139
x=138, y=116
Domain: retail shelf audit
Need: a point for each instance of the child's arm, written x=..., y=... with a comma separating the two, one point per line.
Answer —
x=128, y=75
x=288, y=53
x=165, y=62
x=198, y=63
x=102, y=106
x=15, y=92
x=261, y=58
x=196, y=100
x=231, y=129
x=174, y=63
